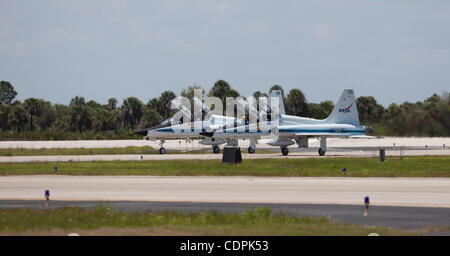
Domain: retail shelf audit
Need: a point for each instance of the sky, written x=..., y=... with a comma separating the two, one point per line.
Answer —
x=395, y=51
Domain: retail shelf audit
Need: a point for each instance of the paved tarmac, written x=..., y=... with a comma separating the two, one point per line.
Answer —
x=424, y=192
x=295, y=153
x=409, y=218
x=394, y=146
x=381, y=142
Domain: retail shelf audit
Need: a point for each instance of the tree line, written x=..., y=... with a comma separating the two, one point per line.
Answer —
x=81, y=119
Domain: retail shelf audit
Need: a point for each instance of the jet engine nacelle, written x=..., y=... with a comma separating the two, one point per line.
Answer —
x=212, y=142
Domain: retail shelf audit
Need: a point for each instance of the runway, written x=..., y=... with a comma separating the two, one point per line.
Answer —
x=382, y=142
x=182, y=150
x=423, y=192
x=295, y=153
x=391, y=216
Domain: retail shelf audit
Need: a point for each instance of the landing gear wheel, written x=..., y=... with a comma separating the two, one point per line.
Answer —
x=162, y=151
x=321, y=152
x=216, y=150
x=285, y=151
x=251, y=150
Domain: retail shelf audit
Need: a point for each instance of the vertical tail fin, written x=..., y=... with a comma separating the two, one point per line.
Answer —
x=279, y=95
x=345, y=110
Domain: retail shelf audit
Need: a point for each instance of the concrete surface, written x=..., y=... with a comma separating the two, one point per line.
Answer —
x=295, y=153
x=423, y=192
x=183, y=145
x=336, y=148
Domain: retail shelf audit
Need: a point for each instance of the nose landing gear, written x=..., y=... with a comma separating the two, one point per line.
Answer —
x=321, y=152
x=162, y=150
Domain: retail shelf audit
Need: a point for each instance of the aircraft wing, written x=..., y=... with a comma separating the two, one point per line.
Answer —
x=349, y=135
x=363, y=137
x=236, y=135
x=323, y=134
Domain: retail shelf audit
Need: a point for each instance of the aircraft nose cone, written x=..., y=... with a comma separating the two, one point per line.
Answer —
x=143, y=132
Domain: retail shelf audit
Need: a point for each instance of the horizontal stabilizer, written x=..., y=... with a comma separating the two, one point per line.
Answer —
x=363, y=137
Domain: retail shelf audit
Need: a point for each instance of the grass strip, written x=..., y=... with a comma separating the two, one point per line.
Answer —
x=144, y=150
x=258, y=221
x=411, y=166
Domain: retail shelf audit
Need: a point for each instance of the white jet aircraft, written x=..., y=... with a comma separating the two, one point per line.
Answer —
x=188, y=130
x=342, y=122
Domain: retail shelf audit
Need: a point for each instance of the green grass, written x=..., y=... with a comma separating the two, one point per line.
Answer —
x=103, y=151
x=414, y=166
x=87, y=151
x=258, y=221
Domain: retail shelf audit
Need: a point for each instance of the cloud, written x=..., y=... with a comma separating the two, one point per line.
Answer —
x=60, y=34
x=222, y=7
x=10, y=43
x=15, y=48
x=114, y=4
x=324, y=31
x=427, y=55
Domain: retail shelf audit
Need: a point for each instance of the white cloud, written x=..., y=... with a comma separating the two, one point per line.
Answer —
x=324, y=31
x=114, y=4
x=60, y=34
x=10, y=42
x=15, y=48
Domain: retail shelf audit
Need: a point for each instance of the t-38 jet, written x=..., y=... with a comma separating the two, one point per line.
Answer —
x=201, y=126
x=342, y=122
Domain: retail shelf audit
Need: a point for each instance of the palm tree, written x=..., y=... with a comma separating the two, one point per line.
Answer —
x=222, y=89
x=79, y=115
x=296, y=103
x=165, y=99
x=33, y=108
x=131, y=111
x=112, y=104
x=18, y=117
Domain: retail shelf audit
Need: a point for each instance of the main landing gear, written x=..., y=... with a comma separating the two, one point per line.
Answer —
x=216, y=149
x=323, y=145
x=252, y=147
